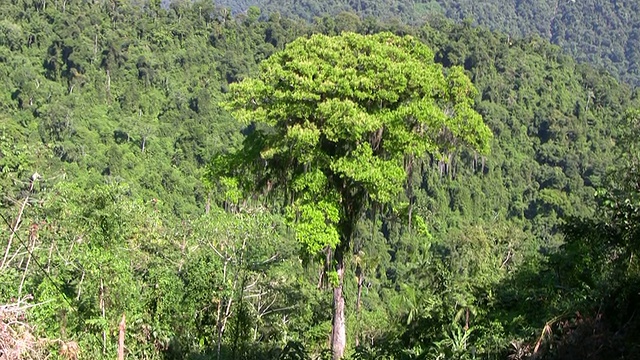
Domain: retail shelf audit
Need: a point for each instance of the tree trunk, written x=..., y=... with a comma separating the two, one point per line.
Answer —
x=408, y=169
x=352, y=206
x=16, y=225
x=339, y=331
x=466, y=322
x=360, y=275
x=121, y=330
x=102, y=309
x=33, y=236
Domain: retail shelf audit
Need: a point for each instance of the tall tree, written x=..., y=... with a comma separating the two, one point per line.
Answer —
x=337, y=123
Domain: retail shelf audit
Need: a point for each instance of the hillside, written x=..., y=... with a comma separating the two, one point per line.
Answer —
x=604, y=34
x=118, y=109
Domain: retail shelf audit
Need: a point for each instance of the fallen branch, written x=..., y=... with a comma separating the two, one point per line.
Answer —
x=546, y=330
x=18, y=220
x=18, y=340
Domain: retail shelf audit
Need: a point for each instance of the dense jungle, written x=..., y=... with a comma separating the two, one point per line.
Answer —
x=370, y=179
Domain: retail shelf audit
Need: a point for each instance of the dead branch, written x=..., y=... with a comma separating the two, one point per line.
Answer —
x=18, y=221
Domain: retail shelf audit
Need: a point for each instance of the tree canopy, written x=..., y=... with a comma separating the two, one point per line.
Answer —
x=110, y=116
x=602, y=33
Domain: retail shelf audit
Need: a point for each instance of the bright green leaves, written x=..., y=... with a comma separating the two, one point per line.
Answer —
x=315, y=225
x=231, y=192
x=465, y=123
x=316, y=213
x=243, y=101
x=310, y=184
x=302, y=140
x=335, y=117
x=345, y=119
x=459, y=88
x=382, y=179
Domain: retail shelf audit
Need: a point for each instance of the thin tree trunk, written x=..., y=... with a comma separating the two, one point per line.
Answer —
x=121, y=339
x=360, y=275
x=32, y=244
x=102, y=309
x=408, y=169
x=218, y=324
x=320, y=277
x=237, y=329
x=95, y=48
x=339, y=331
x=255, y=332
x=219, y=314
x=325, y=268
x=49, y=258
x=466, y=322
x=16, y=225
x=80, y=286
x=410, y=210
x=227, y=314
x=108, y=87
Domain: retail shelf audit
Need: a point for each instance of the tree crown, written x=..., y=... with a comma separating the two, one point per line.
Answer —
x=337, y=117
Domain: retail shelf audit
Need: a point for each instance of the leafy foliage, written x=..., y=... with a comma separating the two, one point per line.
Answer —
x=600, y=33
x=110, y=116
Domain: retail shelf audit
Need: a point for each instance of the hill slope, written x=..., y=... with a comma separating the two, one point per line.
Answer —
x=116, y=107
x=603, y=33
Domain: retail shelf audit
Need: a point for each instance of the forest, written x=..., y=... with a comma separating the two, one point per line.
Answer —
x=367, y=180
x=603, y=33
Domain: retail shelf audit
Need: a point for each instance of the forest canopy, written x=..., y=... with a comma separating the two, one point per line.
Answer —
x=113, y=123
x=602, y=33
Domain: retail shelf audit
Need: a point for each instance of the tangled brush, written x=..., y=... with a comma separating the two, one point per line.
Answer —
x=18, y=340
